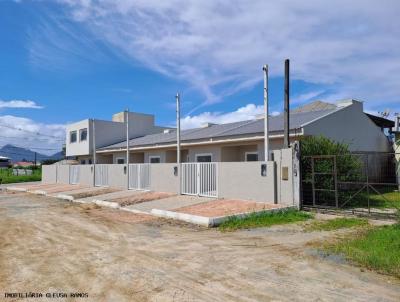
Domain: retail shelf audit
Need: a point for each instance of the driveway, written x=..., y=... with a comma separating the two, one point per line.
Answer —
x=54, y=246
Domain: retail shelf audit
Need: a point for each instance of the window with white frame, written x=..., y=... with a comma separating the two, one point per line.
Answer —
x=204, y=158
x=251, y=156
x=120, y=160
x=154, y=159
x=83, y=135
x=72, y=137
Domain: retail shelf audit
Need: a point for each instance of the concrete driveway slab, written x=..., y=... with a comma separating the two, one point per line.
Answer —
x=143, y=197
x=110, y=196
x=84, y=193
x=169, y=203
x=224, y=207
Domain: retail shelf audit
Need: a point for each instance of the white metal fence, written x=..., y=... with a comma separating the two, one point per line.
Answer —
x=74, y=174
x=139, y=176
x=101, y=176
x=200, y=179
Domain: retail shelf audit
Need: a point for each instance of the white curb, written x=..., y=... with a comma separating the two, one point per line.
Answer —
x=104, y=203
x=65, y=197
x=38, y=192
x=207, y=221
x=17, y=189
x=182, y=216
x=134, y=211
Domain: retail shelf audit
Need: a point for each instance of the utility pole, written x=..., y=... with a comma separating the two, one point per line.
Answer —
x=127, y=146
x=94, y=151
x=35, y=159
x=286, y=126
x=178, y=138
x=266, y=121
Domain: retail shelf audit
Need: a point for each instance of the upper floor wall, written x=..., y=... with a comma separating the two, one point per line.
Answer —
x=79, y=138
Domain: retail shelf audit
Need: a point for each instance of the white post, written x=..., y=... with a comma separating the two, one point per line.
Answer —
x=178, y=139
x=266, y=121
x=127, y=147
x=94, y=151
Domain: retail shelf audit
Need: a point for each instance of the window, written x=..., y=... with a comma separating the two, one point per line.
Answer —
x=83, y=134
x=154, y=159
x=251, y=156
x=72, y=137
x=83, y=162
x=203, y=158
x=90, y=161
x=120, y=160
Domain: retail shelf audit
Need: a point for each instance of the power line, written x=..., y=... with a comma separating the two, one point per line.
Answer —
x=28, y=148
x=32, y=132
x=26, y=137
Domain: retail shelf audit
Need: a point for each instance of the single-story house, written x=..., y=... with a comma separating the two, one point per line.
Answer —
x=343, y=121
x=24, y=164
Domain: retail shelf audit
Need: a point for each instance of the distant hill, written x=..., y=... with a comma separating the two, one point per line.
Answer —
x=20, y=154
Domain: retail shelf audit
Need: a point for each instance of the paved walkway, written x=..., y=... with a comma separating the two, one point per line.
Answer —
x=169, y=203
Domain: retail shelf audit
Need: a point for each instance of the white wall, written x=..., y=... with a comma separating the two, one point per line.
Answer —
x=77, y=148
x=215, y=152
x=352, y=126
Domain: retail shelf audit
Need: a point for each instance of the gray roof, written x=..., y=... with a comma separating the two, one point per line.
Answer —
x=231, y=130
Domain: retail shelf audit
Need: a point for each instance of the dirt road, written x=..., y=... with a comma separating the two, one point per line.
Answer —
x=48, y=245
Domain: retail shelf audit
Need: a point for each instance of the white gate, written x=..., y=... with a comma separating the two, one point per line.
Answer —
x=139, y=176
x=101, y=176
x=199, y=179
x=74, y=174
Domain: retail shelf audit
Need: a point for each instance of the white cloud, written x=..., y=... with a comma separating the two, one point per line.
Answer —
x=248, y=112
x=30, y=134
x=220, y=46
x=19, y=104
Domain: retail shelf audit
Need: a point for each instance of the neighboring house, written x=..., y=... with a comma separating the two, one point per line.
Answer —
x=5, y=162
x=24, y=164
x=79, y=141
x=344, y=121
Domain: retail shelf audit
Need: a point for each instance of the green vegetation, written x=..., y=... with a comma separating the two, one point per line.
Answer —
x=374, y=248
x=335, y=224
x=6, y=176
x=385, y=200
x=264, y=219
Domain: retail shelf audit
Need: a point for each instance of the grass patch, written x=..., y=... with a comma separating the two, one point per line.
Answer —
x=264, y=219
x=7, y=177
x=335, y=224
x=387, y=199
x=374, y=248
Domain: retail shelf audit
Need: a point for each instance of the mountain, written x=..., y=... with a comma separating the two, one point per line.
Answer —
x=20, y=154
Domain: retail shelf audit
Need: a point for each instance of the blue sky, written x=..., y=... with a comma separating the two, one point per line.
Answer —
x=66, y=60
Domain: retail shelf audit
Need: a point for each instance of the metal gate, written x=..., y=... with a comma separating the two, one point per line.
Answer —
x=74, y=174
x=139, y=176
x=364, y=181
x=200, y=179
x=101, y=176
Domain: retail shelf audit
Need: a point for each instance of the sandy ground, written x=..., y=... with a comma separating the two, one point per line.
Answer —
x=225, y=207
x=54, y=246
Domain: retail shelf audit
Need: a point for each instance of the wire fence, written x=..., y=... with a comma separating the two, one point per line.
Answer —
x=364, y=180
